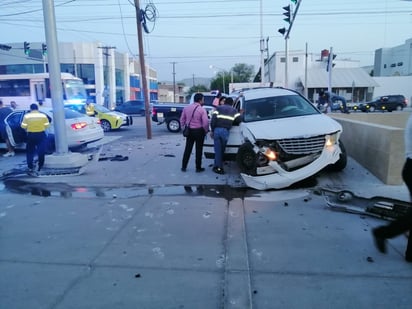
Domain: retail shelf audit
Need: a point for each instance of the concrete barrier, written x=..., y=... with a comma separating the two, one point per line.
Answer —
x=376, y=141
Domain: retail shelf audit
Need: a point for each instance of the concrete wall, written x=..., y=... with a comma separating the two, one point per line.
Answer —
x=376, y=141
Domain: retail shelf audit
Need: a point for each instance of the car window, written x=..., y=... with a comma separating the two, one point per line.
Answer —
x=101, y=109
x=69, y=114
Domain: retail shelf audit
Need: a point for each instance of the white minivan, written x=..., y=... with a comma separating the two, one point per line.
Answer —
x=282, y=139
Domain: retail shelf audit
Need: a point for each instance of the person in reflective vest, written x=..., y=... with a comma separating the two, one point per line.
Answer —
x=90, y=109
x=222, y=120
x=35, y=123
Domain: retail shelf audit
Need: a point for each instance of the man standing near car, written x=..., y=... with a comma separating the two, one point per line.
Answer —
x=35, y=123
x=196, y=117
x=90, y=109
x=4, y=112
x=222, y=120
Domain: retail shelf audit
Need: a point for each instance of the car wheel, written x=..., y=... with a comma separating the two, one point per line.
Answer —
x=105, y=125
x=246, y=159
x=173, y=125
x=343, y=160
x=399, y=108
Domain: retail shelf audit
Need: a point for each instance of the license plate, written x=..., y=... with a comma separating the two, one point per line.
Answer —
x=160, y=115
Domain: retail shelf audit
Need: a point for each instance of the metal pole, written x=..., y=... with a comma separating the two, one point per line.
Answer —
x=286, y=62
x=55, y=77
x=174, y=83
x=223, y=79
x=330, y=70
x=262, y=50
x=143, y=71
x=305, y=92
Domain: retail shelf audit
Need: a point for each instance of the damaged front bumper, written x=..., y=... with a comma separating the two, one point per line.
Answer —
x=280, y=178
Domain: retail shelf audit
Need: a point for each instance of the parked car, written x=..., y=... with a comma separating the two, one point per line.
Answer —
x=133, y=107
x=109, y=120
x=282, y=139
x=80, y=129
x=388, y=102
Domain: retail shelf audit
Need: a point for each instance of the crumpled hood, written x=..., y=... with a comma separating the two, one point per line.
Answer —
x=295, y=127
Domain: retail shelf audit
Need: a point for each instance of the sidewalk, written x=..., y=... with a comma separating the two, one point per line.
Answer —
x=140, y=233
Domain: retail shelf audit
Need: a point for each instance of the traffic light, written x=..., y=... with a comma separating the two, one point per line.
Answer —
x=44, y=49
x=282, y=31
x=287, y=13
x=27, y=48
x=330, y=61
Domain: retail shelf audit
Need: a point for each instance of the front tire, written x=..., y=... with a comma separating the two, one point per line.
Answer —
x=246, y=159
x=173, y=125
x=106, y=126
x=342, y=162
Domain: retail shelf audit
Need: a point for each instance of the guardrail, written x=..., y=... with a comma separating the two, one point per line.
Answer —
x=376, y=141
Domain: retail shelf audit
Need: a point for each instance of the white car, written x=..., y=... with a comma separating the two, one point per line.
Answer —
x=80, y=129
x=281, y=140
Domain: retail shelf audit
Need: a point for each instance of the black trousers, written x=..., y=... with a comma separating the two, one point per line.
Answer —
x=195, y=136
x=403, y=224
x=36, y=142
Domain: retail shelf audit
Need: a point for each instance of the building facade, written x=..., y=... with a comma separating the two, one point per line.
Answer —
x=394, y=61
x=307, y=74
x=110, y=77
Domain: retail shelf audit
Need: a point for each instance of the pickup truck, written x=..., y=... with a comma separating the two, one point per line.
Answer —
x=170, y=113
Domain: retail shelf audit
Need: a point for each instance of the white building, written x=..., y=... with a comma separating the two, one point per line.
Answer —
x=110, y=76
x=309, y=71
x=394, y=61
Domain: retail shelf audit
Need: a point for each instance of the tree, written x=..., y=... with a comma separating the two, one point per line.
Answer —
x=239, y=73
x=197, y=88
x=242, y=73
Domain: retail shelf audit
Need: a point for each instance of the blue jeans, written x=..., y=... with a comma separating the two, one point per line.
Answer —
x=220, y=137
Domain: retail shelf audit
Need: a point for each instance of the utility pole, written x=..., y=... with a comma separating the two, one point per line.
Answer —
x=143, y=70
x=262, y=48
x=108, y=97
x=174, y=82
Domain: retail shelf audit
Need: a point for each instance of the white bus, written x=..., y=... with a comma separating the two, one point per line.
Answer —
x=28, y=88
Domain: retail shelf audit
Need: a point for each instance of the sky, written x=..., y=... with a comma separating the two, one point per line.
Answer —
x=193, y=39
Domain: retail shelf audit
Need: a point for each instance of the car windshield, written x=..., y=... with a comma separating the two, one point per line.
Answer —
x=277, y=107
x=101, y=109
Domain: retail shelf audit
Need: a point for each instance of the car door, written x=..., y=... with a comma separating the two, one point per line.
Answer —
x=16, y=134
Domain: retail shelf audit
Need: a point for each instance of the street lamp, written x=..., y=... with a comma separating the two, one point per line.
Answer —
x=223, y=75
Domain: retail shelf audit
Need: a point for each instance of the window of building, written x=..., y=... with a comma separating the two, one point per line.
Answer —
x=14, y=88
x=282, y=59
x=295, y=59
x=384, y=66
x=393, y=65
x=400, y=64
x=119, y=78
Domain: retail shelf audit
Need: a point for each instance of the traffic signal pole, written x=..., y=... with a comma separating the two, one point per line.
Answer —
x=330, y=60
x=290, y=18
